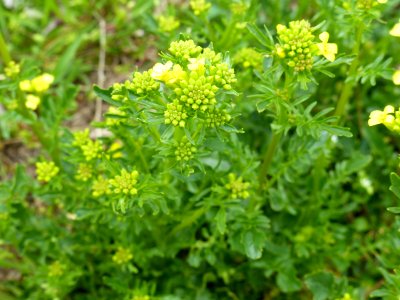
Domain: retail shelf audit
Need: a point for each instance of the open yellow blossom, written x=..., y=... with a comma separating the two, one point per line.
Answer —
x=25, y=85
x=174, y=75
x=38, y=84
x=196, y=64
x=32, y=101
x=396, y=77
x=395, y=31
x=42, y=83
x=382, y=117
x=329, y=50
x=160, y=70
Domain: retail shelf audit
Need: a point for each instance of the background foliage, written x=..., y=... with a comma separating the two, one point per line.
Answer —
x=310, y=220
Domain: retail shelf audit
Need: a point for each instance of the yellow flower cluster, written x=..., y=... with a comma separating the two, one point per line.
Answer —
x=90, y=149
x=46, y=170
x=167, y=23
x=199, y=6
x=388, y=117
x=84, y=172
x=100, y=187
x=194, y=81
x=37, y=85
x=125, y=183
x=122, y=256
x=56, y=269
x=12, y=69
x=297, y=45
x=237, y=187
x=248, y=58
x=368, y=4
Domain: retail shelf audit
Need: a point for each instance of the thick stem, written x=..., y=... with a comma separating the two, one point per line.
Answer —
x=350, y=81
x=267, y=158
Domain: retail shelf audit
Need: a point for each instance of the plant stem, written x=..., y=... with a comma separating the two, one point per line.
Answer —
x=267, y=158
x=350, y=81
x=4, y=53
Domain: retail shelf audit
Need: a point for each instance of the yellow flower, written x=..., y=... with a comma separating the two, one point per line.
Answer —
x=159, y=70
x=122, y=256
x=382, y=117
x=174, y=75
x=395, y=31
x=42, y=83
x=32, y=101
x=46, y=170
x=25, y=85
x=196, y=64
x=396, y=77
x=329, y=50
x=167, y=23
x=12, y=69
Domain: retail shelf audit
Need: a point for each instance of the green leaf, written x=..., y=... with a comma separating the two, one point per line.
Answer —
x=320, y=284
x=264, y=39
x=288, y=281
x=105, y=95
x=66, y=61
x=220, y=218
x=395, y=210
x=253, y=242
x=395, y=187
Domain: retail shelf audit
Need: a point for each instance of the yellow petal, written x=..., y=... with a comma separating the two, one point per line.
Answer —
x=389, y=109
x=395, y=31
x=324, y=37
x=375, y=118
x=396, y=77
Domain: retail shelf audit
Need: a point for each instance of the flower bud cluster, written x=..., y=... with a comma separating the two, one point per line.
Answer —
x=297, y=46
x=90, y=149
x=122, y=256
x=56, y=269
x=142, y=83
x=184, y=49
x=237, y=187
x=197, y=91
x=113, y=121
x=248, y=58
x=215, y=117
x=224, y=76
x=175, y=114
x=100, y=187
x=46, y=170
x=119, y=92
x=185, y=150
x=12, y=69
x=167, y=23
x=125, y=183
x=199, y=6
x=84, y=172
x=388, y=117
x=368, y=4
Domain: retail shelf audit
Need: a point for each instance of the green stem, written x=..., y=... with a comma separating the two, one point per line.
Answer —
x=267, y=159
x=4, y=53
x=350, y=81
